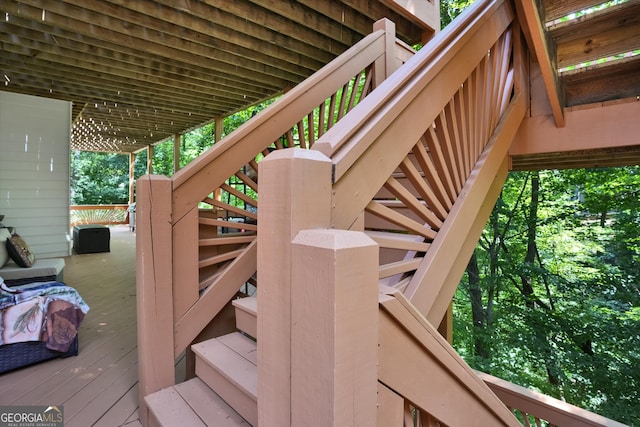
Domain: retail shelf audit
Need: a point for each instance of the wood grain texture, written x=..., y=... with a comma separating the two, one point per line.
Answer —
x=334, y=335
x=154, y=272
x=295, y=195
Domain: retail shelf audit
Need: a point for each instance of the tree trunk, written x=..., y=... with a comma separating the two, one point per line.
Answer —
x=528, y=293
x=477, y=308
x=530, y=257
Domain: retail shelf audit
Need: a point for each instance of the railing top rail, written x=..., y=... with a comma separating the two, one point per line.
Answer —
x=267, y=126
x=544, y=407
x=407, y=317
x=400, y=89
x=88, y=207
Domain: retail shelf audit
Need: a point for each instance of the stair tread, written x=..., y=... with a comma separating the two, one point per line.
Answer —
x=192, y=403
x=248, y=304
x=234, y=357
x=246, y=315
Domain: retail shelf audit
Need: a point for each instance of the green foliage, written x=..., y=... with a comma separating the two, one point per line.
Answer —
x=99, y=178
x=449, y=9
x=103, y=178
x=564, y=321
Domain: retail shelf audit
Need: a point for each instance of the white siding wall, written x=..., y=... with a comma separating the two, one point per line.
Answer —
x=34, y=170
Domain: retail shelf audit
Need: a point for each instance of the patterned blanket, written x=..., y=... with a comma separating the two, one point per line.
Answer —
x=50, y=311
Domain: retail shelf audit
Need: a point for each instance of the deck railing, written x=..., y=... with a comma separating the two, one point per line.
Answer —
x=538, y=409
x=99, y=214
x=414, y=162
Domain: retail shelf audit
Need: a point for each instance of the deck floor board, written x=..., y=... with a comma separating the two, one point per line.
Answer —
x=99, y=386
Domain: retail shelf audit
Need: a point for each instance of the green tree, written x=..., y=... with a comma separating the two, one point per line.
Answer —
x=551, y=297
x=99, y=178
x=449, y=9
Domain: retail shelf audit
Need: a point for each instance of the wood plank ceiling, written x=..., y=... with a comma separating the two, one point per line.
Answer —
x=140, y=71
x=594, y=54
x=597, y=53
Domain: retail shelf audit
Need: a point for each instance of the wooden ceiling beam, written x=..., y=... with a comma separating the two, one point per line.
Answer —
x=36, y=87
x=117, y=88
x=427, y=13
x=605, y=43
x=604, y=82
x=288, y=17
x=176, y=30
x=595, y=22
x=103, y=56
x=556, y=9
x=407, y=29
x=598, y=126
x=69, y=18
x=544, y=51
x=221, y=24
x=133, y=129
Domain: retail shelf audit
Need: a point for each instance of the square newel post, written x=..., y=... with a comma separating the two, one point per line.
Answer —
x=334, y=335
x=154, y=263
x=295, y=194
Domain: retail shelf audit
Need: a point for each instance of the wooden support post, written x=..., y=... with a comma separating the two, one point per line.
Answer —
x=446, y=326
x=150, y=159
x=218, y=128
x=132, y=177
x=334, y=333
x=176, y=152
x=386, y=64
x=295, y=194
x=154, y=265
x=426, y=12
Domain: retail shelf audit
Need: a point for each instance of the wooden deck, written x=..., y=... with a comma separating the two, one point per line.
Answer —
x=99, y=386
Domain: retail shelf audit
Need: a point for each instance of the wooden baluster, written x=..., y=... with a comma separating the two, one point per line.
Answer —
x=301, y=134
x=322, y=126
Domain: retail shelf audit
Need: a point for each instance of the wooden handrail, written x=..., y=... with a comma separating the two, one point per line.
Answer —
x=432, y=57
x=543, y=407
x=327, y=96
x=392, y=119
x=428, y=373
x=442, y=124
x=237, y=149
x=91, y=207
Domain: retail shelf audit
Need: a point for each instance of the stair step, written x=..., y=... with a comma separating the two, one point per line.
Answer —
x=247, y=315
x=191, y=403
x=228, y=365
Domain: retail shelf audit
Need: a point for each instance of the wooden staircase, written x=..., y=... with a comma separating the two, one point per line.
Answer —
x=224, y=391
x=393, y=194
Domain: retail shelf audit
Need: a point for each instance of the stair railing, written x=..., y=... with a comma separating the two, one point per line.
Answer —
x=427, y=382
x=422, y=159
x=417, y=164
x=534, y=408
x=185, y=275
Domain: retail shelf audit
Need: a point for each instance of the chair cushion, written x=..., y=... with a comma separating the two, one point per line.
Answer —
x=41, y=268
